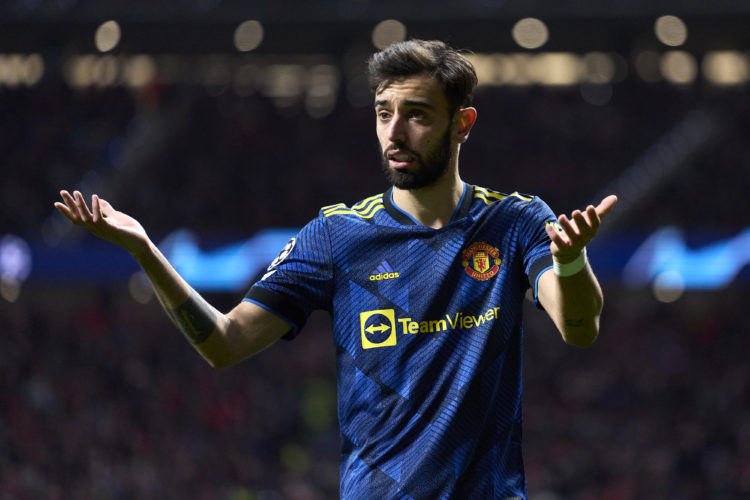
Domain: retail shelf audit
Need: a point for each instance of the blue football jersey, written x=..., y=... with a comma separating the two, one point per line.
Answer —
x=428, y=337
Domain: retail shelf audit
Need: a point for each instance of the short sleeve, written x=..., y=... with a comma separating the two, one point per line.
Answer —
x=299, y=280
x=537, y=257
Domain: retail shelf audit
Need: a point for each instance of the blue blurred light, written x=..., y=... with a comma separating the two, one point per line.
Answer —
x=228, y=268
x=712, y=266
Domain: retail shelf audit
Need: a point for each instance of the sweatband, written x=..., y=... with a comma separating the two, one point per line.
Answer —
x=570, y=268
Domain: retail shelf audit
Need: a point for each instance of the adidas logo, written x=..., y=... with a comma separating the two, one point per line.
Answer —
x=384, y=272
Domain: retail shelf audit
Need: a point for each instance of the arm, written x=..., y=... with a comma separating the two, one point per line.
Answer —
x=222, y=339
x=574, y=302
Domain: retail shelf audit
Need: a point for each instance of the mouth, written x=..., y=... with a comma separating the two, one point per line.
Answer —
x=400, y=158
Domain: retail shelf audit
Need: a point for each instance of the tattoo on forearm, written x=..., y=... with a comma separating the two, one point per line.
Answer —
x=195, y=319
x=574, y=323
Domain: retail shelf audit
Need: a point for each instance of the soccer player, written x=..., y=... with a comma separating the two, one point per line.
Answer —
x=425, y=285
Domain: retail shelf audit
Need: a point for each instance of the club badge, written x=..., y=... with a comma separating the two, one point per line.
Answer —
x=481, y=261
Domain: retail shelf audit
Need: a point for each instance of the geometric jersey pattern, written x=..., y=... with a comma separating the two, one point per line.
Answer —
x=427, y=329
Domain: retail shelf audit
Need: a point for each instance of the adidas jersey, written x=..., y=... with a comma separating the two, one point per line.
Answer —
x=427, y=331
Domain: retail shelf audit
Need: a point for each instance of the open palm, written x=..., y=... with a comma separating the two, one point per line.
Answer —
x=577, y=230
x=104, y=221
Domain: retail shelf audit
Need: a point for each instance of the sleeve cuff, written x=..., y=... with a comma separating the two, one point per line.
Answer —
x=537, y=268
x=280, y=305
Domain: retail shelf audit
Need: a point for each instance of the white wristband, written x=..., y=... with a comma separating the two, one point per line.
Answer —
x=570, y=268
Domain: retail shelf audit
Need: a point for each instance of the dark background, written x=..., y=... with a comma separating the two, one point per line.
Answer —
x=100, y=397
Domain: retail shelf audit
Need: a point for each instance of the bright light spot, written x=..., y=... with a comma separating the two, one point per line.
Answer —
x=670, y=30
x=107, y=36
x=600, y=67
x=140, y=288
x=678, y=67
x=18, y=69
x=388, y=32
x=556, y=69
x=514, y=69
x=15, y=266
x=15, y=258
x=248, y=36
x=669, y=286
x=485, y=68
x=105, y=71
x=647, y=66
x=140, y=71
x=10, y=69
x=726, y=68
x=77, y=70
x=33, y=70
x=283, y=83
x=530, y=33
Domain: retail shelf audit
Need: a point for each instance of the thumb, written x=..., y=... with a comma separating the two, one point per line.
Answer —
x=606, y=205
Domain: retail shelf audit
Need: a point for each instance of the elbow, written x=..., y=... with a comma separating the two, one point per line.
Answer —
x=219, y=362
x=581, y=335
x=582, y=341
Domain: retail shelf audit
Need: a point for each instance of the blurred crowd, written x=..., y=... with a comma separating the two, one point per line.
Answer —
x=100, y=397
x=217, y=162
x=103, y=398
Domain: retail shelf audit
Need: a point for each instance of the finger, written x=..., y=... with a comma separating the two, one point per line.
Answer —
x=581, y=222
x=606, y=205
x=65, y=210
x=106, y=208
x=68, y=199
x=96, y=209
x=557, y=238
x=83, y=209
x=68, y=203
x=570, y=231
x=560, y=237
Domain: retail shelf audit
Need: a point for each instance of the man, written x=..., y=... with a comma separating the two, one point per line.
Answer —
x=425, y=285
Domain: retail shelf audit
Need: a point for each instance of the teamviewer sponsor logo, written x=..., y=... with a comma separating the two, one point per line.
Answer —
x=378, y=328
x=381, y=328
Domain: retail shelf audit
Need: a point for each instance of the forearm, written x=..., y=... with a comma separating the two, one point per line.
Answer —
x=574, y=303
x=222, y=339
x=190, y=312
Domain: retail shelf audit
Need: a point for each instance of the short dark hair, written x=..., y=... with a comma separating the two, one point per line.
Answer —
x=447, y=65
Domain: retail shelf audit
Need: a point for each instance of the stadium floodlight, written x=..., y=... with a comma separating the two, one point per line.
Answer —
x=107, y=36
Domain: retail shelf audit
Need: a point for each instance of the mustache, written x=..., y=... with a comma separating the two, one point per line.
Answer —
x=402, y=148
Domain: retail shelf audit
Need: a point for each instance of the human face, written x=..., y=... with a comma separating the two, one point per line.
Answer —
x=414, y=131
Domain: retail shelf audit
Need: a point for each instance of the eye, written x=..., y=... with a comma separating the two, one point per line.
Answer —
x=418, y=114
x=383, y=115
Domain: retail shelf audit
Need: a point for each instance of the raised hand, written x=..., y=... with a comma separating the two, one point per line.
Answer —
x=104, y=221
x=578, y=230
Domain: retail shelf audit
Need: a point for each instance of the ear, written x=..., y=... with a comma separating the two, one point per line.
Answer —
x=466, y=119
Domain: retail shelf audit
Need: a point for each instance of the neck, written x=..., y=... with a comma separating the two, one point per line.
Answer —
x=433, y=205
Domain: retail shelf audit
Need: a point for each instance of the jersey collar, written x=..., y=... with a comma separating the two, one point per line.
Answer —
x=400, y=216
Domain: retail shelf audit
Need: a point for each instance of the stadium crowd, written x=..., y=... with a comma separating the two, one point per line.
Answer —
x=100, y=397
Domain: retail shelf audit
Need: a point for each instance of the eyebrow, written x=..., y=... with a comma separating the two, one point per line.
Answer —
x=408, y=102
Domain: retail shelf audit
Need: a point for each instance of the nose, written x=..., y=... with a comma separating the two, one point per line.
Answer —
x=396, y=129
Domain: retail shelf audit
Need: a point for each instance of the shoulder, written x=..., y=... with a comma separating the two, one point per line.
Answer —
x=516, y=205
x=488, y=197
x=362, y=210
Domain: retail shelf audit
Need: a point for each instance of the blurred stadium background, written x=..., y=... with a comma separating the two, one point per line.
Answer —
x=224, y=125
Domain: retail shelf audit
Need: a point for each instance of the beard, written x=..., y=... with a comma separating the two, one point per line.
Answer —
x=426, y=171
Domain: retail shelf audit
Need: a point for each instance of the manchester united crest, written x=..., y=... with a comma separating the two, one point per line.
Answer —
x=481, y=261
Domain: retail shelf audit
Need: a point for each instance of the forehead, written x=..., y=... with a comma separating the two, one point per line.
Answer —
x=412, y=90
